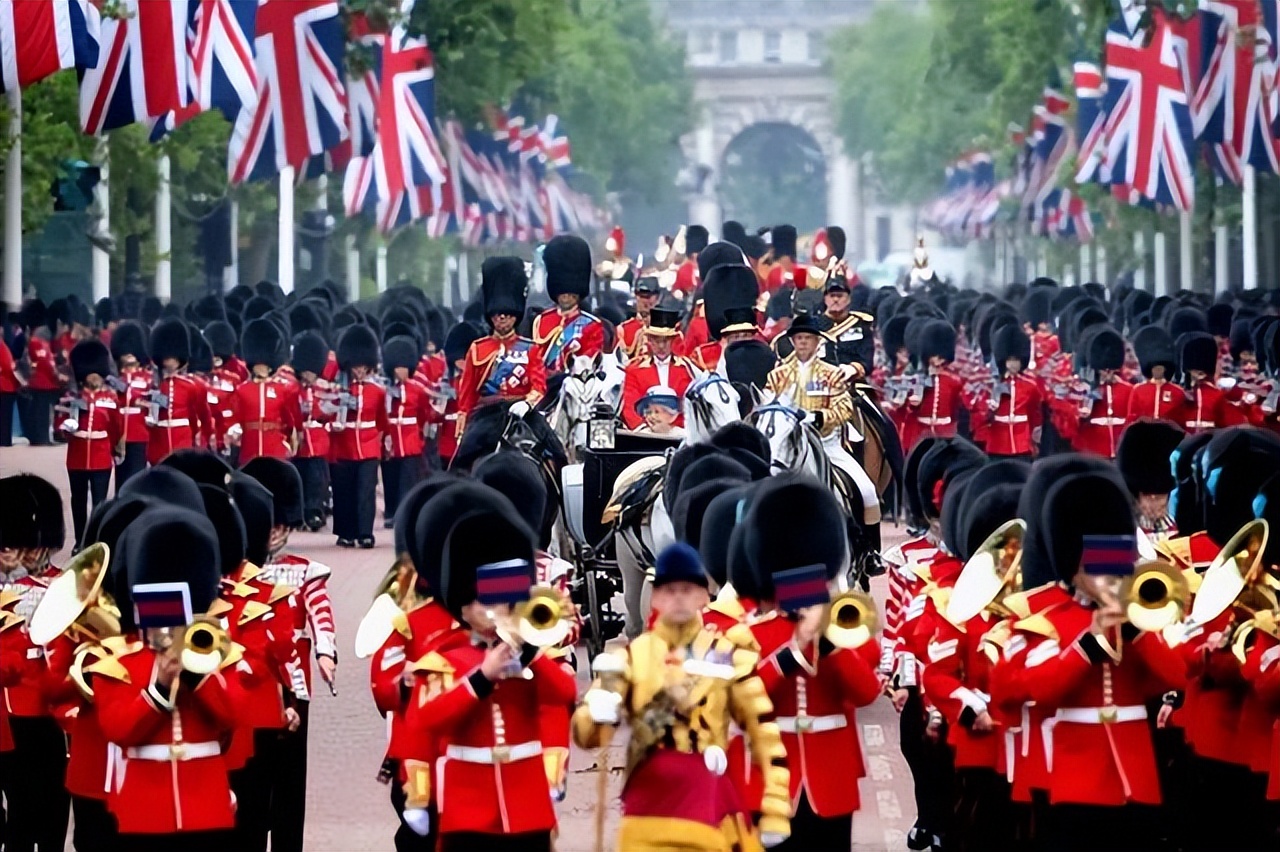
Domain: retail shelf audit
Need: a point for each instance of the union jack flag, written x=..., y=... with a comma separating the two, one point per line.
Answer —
x=1235, y=104
x=39, y=39
x=1150, y=141
x=142, y=69
x=302, y=101
x=555, y=143
x=1050, y=142
x=1091, y=120
x=363, y=90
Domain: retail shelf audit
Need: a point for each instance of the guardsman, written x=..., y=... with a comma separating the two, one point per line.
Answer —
x=132, y=385
x=657, y=367
x=565, y=331
x=1203, y=406
x=222, y=382
x=931, y=408
x=91, y=422
x=786, y=270
x=44, y=381
x=408, y=412
x=1104, y=413
x=814, y=677
x=177, y=407
x=166, y=710
x=310, y=355
x=1104, y=786
x=1036, y=313
x=1143, y=460
x=729, y=293
x=265, y=413
x=688, y=274
x=476, y=700
x=444, y=395
x=616, y=266
x=1157, y=397
x=504, y=366
x=31, y=531
x=359, y=422
x=679, y=686
x=313, y=628
x=1012, y=406
x=631, y=333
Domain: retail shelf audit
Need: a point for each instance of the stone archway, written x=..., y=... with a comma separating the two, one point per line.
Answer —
x=772, y=172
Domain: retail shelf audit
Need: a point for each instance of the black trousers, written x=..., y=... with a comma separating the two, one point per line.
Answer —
x=187, y=841
x=980, y=815
x=35, y=407
x=95, y=827
x=315, y=476
x=1229, y=788
x=133, y=463
x=398, y=476
x=931, y=766
x=7, y=402
x=1026, y=457
x=252, y=784
x=408, y=840
x=811, y=832
x=88, y=489
x=289, y=786
x=1075, y=828
x=32, y=776
x=470, y=841
x=355, y=486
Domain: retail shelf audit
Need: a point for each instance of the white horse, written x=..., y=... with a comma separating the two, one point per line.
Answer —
x=589, y=383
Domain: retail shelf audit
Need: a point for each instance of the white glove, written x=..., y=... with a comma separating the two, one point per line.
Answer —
x=70, y=426
x=418, y=819
x=770, y=839
x=235, y=432
x=716, y=760
x=519, y=409
x=603, y=706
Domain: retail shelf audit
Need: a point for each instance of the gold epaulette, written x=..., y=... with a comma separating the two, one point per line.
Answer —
x=864, y=317
x=110, y=667
x=248, y=572
x=439, y=674
x=279, y=592
x=1016, y=602
x=728, y=608
x=219, y=608
x=432, y=662
x=1037, y=624
x=253, y=610
x=476, y=361
x=234, y=655
x=400, y=623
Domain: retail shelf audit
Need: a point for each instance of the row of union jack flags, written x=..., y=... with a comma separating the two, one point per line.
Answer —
x=1167, y=96
x=277, y=70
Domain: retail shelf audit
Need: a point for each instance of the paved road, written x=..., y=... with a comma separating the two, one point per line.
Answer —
x=348, y=811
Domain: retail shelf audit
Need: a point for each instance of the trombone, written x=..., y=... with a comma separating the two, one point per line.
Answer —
x=201, y=646
x=542, y=621
x=1154, y=596
x=851, y=620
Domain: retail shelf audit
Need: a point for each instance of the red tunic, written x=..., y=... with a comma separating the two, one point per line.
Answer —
x=698, y=333
x=477, y=790
x=1215, y=692
x=559, y=337
x=176, y=425
x=633, y=340
x=22, y=664
x=1262, y=671
x=1204, y=408
x=313, y=437
x=267, y=413
x=410, y=411
x=500, y=368
x=707, y=356
x=1016, y=416
x=133, y=404
x=44, y=369
x=956, y=681
x=9, y=382
x=356, y=433
x=643, y=374
x=222, y=385
x=1099, y=432
x=1156, y=400
x=91, y=421
x=779, y=278
x=934, y=412
x=171, y=776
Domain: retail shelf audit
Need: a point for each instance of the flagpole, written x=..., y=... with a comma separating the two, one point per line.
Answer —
x=1221, y=259
x=1249, y=224
x=13, y=205
x=353, y=269
x=380, y=268
x=1086, y=274
x=286, y=230
x=1161, y=264
x=164, y=233
x=1186, y=246
x=1100, y=264
x=102, y=197
x=231, y=275
x=1140, y=254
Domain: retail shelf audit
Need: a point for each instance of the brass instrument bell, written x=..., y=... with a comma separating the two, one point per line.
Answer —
x=1155, y=596
x=542, y=620
x=395, y=597
x=852, y=620
x=75, y=597
x=989, y=574
x=1230, y=572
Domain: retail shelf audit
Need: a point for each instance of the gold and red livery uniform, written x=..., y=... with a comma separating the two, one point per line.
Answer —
x=92, y=424
x=265, y=416
x=178, y=415
x=648, y=372
x=311, y=609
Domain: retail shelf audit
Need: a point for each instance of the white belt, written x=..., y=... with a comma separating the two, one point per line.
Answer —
x=403, y=421
x=177, y=751
x=1101, y=715
x=89, y=436
x=171, y=424
x=1107, y=421
x=453, y=416
x=1011, y=418
x=497, y=754
x=810, y=724
x=131, y=409
x=313, y=424
x=363, y=424
x=1202, y=424
x=934, y=421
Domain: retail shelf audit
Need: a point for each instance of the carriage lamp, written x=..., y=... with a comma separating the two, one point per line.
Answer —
x=600, y=429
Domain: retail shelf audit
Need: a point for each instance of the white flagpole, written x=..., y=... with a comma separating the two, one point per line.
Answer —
x=286, y=230
x=164, y=234
x=1249, y=224
x=102, y=197
x=1221, y=259
x=353, y=269
x=380, y=269
x=1161, y=265
x=231, y=275
x=13, y=206
x=1140, y=253
x=1100, y=264
x=1086, y=273
x=1186, y=253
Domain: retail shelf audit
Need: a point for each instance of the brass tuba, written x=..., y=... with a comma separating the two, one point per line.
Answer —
x=1235, y=577
x=1154, y=596
x=852, y=620
x=989, y=576
x=75, y=600
x=396, y=596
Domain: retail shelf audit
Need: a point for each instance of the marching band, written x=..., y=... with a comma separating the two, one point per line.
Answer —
x=1079, y=633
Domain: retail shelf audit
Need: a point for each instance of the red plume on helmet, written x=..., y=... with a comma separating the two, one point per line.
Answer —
x=820, y=252
x=617, y=242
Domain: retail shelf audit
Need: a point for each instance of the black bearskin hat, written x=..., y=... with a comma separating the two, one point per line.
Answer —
x=310, y=353
x=1105, y=350
x=1197, y=350
x=516, y=477
x=729, y=293
x=170, y=339
x=748, y=362
x=150, y=547
x=478, y=538
x=938, y=338
x=358, y=347
x=459, y=340
x=257, y=508
x=129, y=338
x=88, y=357
x=505, y=285
x=285, y=484
x=1143, y=456
x=32, y=515
x=1154, y=348
x=1011, y=342
x=1079, y=505
x=794, y=522
x=400, y=352
x=783, y=240
x=221, y=338
x=262, y=342
x=695, y=240
x=568, y=262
